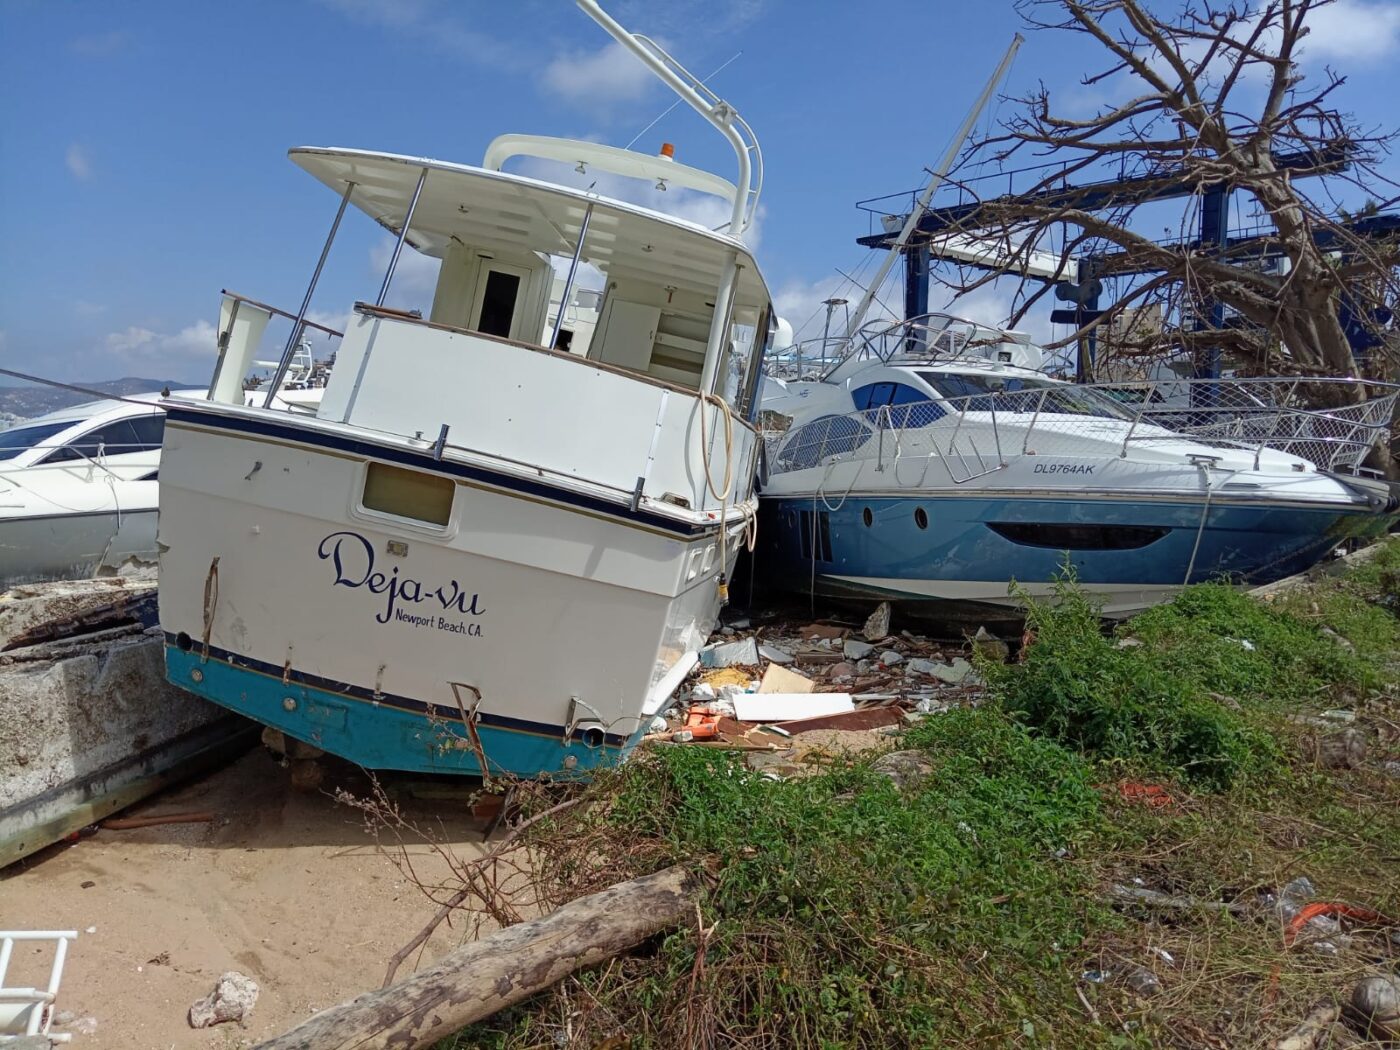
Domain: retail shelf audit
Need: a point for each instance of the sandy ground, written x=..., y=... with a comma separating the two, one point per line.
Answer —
x=285, y=887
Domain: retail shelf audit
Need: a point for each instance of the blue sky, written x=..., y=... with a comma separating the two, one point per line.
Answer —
x=143, y=143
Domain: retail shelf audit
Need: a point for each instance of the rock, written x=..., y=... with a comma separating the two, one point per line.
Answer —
x=1375, y=1007
x=64, y=1017
x=83, y=1026
x=865, y=666
x=774, y=655
x=989, y=647
x=877, y=627
x=1340, y=1037
x=890, y=658
x=729, y=654
x=740, y=625
x=1338, y=717
x=1391, y=768
x=1128, y=643
x=232, y=999
x=955, y=673
x=1145, y=983
x=931, y=705
x=1344, y=750
x=856, y=650
x=906, y=768
x=1309, y=1034
x=1344, y=643
x=704, y=693
x=841, y=670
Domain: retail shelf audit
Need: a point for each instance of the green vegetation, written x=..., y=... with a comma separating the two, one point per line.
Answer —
x=964, y=908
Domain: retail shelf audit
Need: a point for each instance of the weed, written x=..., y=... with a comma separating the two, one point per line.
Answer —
x=961, y=910
x=847, y=914
x=1129, y=705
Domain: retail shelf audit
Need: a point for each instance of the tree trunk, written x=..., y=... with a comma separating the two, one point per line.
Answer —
x=484, y=977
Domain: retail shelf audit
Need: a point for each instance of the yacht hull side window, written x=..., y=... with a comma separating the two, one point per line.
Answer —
x=408, y=494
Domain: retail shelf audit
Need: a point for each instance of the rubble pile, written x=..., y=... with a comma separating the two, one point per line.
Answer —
x=757, y=689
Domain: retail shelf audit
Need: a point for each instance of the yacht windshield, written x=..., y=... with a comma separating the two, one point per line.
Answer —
x=22, y=439
x=988, y=393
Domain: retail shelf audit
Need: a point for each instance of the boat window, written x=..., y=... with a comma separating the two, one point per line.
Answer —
x=117, y=438
x=813, y=442
x=22, y=439
x=150, y=430
x=987, y=393
x=498, y=303
x=408, y=494
x=1050, y=536
x=908, y=406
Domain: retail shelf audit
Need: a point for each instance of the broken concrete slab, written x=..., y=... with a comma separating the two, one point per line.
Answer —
x=730, y=654
x=774, y=655
x=877, y=626
x=856, y=650
x=89, y=724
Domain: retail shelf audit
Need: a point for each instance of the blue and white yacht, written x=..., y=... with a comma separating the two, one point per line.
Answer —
x=935, y=464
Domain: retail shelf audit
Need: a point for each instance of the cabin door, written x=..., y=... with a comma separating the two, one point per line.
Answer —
x=497, y=304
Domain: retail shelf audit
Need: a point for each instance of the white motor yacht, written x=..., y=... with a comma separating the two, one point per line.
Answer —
x=487, y=551
x=933, y=463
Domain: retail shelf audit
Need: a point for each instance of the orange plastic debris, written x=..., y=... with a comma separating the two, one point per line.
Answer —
x=1153, y=795
x=701, y=724
x=1312, y=911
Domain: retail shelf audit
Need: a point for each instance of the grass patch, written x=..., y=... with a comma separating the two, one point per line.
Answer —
x=1131, y=705
x=961, y=911
x=846, y=912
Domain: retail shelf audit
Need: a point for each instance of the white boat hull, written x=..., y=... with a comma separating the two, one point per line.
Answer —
x=539, y=637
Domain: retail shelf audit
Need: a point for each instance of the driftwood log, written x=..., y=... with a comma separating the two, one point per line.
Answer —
x=484, y=977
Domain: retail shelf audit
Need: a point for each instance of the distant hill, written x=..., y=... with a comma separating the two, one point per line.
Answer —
x=29, y=401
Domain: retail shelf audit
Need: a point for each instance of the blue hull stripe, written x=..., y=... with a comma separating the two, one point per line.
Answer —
x=385, y=737
x=1252, y=544
x=193, y=658
x=425, y=461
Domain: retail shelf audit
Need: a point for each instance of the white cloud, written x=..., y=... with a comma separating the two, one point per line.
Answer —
x=432, y=23
x=802, y=303
x=1354, y=30
x=78, y=161
x=601, y=78
x=96, y=44
x=137, y=345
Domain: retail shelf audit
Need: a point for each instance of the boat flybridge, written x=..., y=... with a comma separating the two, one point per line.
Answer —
x=933, y=462
x=484, y=553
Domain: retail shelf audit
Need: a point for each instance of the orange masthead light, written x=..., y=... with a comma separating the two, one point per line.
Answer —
x=668, y=151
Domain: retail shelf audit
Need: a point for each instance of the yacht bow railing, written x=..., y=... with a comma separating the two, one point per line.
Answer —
x=938, y=336
x=977, y=434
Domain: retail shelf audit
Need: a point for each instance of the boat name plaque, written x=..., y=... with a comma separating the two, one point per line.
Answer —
x=352, y=557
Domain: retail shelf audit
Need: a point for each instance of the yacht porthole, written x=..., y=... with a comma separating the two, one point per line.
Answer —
x=920, y=518
x=867, y=517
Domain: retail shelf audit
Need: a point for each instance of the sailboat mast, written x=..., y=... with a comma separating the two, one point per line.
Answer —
x=912, y=222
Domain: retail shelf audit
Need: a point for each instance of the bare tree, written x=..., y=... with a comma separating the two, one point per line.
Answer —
x=1213, y=96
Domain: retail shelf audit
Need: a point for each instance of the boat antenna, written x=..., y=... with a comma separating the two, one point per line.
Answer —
x=720, y=114
x=912, y=221
x=671, y=108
